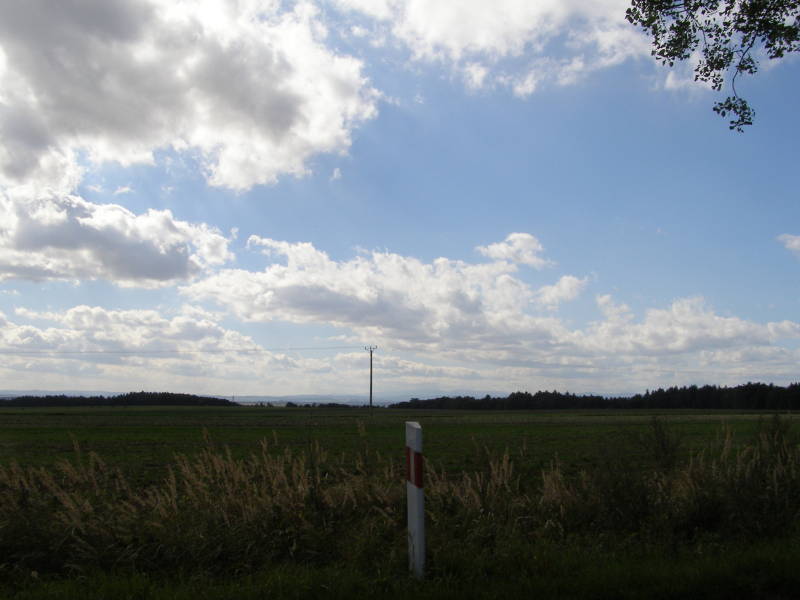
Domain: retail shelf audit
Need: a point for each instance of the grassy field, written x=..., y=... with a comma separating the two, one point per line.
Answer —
x=144, y=440
x=257, y=502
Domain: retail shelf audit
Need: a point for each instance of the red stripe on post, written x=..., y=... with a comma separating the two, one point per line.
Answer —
x=414, y=471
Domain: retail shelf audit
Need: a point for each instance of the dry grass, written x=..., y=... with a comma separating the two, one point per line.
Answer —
x=215, y=513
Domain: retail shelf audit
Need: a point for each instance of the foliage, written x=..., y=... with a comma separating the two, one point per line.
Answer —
x=729, y=35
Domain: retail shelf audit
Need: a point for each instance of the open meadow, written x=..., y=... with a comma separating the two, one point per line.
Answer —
x=143, y=440
x=251, y=502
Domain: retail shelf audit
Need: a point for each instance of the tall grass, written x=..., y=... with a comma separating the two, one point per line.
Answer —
x=217, y=514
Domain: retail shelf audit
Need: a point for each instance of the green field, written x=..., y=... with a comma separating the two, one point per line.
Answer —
x=144, y=440
x=284, y=503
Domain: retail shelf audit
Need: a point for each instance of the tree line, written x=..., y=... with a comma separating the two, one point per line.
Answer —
x=749, y=396
x=129, y=399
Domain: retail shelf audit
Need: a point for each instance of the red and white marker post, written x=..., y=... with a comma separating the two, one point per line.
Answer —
x=416, y=499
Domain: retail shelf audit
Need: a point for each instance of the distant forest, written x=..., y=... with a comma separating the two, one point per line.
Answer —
x=750, y=396
x=129, y=399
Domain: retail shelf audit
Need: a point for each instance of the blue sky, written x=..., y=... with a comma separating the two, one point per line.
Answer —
x=236, y=197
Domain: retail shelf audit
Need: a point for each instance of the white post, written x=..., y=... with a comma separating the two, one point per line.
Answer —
x=416, y=499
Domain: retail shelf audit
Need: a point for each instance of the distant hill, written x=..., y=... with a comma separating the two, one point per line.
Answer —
x=4, y=394
x=319, y=399
x=274, y=400
x=129, y=399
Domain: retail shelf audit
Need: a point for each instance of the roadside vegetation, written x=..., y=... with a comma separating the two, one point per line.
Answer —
x=647, y=518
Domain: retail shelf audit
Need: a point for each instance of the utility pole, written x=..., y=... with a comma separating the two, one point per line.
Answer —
x=370, y=349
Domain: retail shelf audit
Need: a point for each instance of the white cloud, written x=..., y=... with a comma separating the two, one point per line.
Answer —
x=448, y=303
x=248, y=86
x=681, y=77
x=687, y=326
x=380, y=294
x=484, y=318
x=93, y=328
x=513, y=41
x=474, y=75
x=456, y=320
x=565, y=289
x=444, y=325
x=791, y=242
x=125, y=349
x=394, y=367
x=520, y=248
x=377, y=9
x=67, y=237
x=122, y=350
x=523, y=86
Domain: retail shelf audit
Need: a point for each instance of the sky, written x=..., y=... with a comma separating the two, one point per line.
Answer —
x=235, y=197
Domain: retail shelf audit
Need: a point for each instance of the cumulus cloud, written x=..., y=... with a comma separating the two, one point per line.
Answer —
x=67, y=237
x=511, y=42
x=484, y=318
x=565, y=289
x=475, y=75
x=396, y=367
x=437, y=324
x=94, y=328
x=520, y=248
x=462, y=305
x=122, y=350
x=128, y=349
x=791, y=243
x=249, y=86
x=687, y=326
x=396, y=296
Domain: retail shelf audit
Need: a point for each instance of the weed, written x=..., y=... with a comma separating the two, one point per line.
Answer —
x=218, y=513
